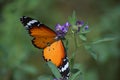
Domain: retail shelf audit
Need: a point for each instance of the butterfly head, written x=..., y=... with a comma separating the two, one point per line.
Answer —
x=29, y=22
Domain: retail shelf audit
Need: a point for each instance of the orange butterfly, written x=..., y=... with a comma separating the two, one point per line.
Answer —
x=45, y=38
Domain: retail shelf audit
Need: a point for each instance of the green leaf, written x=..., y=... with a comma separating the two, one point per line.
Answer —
x=83, y=37
x=54, y=70
x=73, y=19
x=72, y=60
x=104, y=40
x=92, y=52
x=85, y=31
x=77, y=66
x=45, y=77
x=76, y=76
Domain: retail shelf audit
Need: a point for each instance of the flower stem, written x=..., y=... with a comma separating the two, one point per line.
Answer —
x=75, y=40
x=74, y=54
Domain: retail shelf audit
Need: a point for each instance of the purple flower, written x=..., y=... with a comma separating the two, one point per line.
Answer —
x=86, y=27
x=79, y=23
x=57, y=79
x=67, y=24
x=61, y=30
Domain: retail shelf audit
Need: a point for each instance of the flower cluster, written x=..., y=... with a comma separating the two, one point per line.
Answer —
x=81, y=25
x=61, y=30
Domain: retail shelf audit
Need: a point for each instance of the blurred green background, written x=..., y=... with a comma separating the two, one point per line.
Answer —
x=20, y=60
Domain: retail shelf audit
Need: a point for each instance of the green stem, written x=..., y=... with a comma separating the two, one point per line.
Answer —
x=75, y=41
x=74, y=54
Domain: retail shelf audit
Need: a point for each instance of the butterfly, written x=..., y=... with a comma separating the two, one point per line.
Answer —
x=45, y=38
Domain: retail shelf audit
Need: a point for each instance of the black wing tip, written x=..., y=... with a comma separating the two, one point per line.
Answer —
x=22, y=18
x=29, y=22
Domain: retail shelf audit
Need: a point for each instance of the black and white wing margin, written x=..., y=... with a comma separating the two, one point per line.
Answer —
x=29, y=22
x=64, y=69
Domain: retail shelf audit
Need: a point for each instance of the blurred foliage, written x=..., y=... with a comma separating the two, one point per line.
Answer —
x=20, y=60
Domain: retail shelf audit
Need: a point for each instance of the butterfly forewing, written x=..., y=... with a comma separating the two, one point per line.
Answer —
x=43, y=36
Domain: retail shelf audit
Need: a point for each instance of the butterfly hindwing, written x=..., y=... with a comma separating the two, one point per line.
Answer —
x=55, y=53
x=58, y=57
x=64, y=68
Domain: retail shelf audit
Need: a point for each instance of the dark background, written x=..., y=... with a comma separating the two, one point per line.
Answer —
x=20, y=60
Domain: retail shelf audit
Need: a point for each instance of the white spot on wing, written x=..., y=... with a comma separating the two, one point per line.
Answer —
x=31, y=22
x=38, y=25
x=65, y=67
x=64, y=59
x=26, y=26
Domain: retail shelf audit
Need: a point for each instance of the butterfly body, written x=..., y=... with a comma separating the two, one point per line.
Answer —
x=45, y=38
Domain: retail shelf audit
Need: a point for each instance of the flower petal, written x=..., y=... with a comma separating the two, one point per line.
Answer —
x=67, y=24
x=61, y=30
x=80, y=23
x=86, y=27
x=58, y=27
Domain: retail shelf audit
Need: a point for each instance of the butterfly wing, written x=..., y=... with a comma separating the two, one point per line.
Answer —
x=42, y=35
x=56, y=54
x=44, y=38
